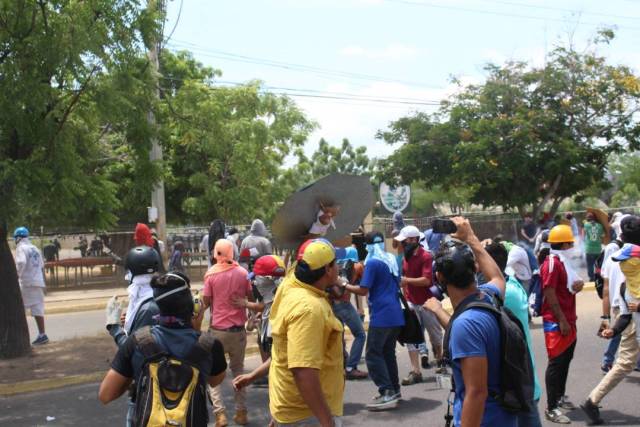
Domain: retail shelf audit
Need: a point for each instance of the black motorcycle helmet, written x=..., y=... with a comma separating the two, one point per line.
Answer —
x=172, y=294
x=142, y=260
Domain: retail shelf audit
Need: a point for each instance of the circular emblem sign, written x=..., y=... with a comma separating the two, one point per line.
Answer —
x=395, y=198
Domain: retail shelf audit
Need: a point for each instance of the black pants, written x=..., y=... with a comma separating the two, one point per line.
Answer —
x=556, y=376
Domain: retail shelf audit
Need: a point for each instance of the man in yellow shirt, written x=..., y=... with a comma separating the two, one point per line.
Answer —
x=306, y=378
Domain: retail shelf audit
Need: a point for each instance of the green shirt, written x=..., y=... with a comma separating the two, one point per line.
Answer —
x=593, y=234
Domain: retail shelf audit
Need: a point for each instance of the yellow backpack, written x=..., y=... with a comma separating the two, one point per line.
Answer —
x=171, y=391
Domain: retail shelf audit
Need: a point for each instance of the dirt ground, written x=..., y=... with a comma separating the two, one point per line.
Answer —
x=60, y=359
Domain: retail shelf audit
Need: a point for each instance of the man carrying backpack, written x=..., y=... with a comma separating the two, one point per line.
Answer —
x=171, y=362
x=559, y=286
x=473, y=342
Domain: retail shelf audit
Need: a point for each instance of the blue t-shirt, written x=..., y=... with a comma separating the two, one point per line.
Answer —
x=383, y=288
x=475, y=333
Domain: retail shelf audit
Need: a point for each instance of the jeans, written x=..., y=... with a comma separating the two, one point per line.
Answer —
x=531, y=418
x=381, y=358
x=556, y=376
x=349, y=316
x=131, y=409
x=610, y=353
x=428, y=321
x=591, y=260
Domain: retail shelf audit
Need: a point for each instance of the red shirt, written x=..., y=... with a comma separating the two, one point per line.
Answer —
x=556, y=278
x=419, y=265
x=223, y=288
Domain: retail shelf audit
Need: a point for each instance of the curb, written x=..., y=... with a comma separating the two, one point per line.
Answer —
x=46, y=384
x=7, y=390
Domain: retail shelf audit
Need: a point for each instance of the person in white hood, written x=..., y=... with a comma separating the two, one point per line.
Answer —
x=30, y=268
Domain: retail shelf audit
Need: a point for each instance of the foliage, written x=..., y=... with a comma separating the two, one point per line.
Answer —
x=545, y=131
x=629, y=195
x=68, y=70
x=329, y=159
x=225, y=145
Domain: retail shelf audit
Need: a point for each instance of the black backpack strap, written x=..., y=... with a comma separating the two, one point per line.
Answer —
x=202, y=349
x=146, y=343
x=466, y=304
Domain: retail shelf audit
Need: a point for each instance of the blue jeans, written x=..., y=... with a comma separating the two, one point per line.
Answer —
x=349, y=316
x=591, y=260
x=531, y=418
x=610, y=352
x=131, y=409
x=381, y=358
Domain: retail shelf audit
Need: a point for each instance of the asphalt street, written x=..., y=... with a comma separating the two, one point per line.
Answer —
x=423, y=404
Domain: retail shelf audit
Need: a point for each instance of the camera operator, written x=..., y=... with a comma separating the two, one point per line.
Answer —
x=474, y=345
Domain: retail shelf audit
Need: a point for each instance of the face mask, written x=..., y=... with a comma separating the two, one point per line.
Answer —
x=409, y=248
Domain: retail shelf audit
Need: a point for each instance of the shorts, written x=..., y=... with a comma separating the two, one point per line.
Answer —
x=33, y=299
x=429, y=321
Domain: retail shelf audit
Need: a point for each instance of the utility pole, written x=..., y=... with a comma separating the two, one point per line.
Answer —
x=157, y=193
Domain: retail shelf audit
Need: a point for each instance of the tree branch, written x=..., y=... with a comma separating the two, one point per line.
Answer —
x=547, y=196
x=72, y=104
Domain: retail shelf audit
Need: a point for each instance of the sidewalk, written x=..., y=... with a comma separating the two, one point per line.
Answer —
x=77, y=299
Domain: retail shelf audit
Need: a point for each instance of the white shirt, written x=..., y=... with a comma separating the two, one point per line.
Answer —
x=612, y=272
x=29, y=264
x=518, y=261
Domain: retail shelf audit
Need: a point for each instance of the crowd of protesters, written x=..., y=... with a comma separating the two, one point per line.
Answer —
x=300, y=311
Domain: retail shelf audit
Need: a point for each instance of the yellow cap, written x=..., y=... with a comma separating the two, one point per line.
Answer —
x=318, y=253
x=561, y=234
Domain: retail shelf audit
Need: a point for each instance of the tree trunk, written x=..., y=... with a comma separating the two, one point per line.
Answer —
x=555, y=205
x=14, y=332
x=552, y=190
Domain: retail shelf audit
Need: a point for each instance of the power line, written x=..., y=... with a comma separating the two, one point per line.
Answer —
x=312, y=93
x=496, y=13
x=292, y=66
x=559, y=9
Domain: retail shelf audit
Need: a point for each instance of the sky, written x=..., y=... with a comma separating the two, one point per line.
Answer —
x=389, y=58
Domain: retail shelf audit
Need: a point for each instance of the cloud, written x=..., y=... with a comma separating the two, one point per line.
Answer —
x=393, y=51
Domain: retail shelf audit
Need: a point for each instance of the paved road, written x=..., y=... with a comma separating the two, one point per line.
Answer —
x=70, y=325
x=423, y=404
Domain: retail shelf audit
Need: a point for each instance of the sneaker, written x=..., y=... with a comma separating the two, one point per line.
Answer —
x=221, y=419
x=556, y=416
x=240, y=417
x=398, y=395
x=386, y=400
x=424, y=361
x=565, y=403
x=42, y=339
x=413, y=378
x=356, y=374
x=605, y=368
x=592, y=411
x=261, y=382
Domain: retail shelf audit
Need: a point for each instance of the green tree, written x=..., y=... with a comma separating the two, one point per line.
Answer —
x=345, y=159
x=527, y=137
x=63, y=66
x=226, y=145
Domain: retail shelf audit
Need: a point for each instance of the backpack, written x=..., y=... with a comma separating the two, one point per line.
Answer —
x=516, y=368
x=597, y=270
x=171, y=391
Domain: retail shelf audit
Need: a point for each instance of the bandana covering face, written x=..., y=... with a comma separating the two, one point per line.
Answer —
x=376, y=251
x=139, y=291
x=572, y=276
x=223, y=253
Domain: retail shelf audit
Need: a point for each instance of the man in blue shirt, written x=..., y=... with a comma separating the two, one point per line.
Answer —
x=474, y=344
x=380, y=282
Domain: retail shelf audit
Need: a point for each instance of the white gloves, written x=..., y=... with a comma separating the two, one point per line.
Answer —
x=113, y=311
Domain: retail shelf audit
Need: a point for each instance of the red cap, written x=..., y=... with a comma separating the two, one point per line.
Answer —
x=269, y=265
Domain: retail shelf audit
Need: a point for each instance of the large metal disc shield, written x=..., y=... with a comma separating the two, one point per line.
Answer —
x=352, y=193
